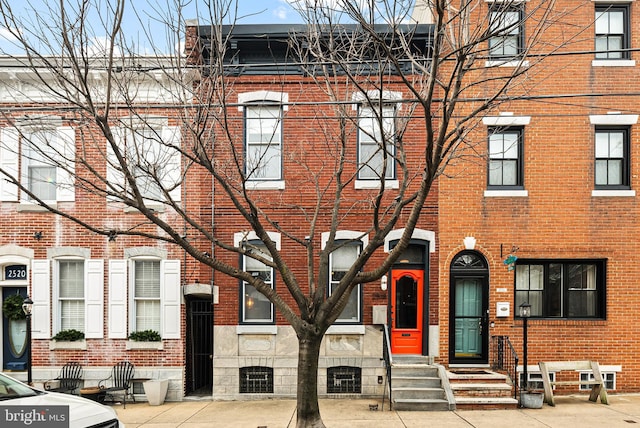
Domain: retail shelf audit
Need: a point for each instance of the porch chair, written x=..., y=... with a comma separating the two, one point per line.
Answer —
x=69, y=379
x=120, y=381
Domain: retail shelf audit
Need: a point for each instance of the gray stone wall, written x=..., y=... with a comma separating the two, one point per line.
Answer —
x=236, y=347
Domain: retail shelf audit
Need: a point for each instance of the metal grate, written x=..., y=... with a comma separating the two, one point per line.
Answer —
x=256, y=379
x=344, y=380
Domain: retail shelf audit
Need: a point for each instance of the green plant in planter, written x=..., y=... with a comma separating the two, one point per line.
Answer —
x=12, y=307
x=145, y=336
x=69, y=335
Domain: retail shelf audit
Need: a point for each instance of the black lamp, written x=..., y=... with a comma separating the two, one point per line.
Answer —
x=27, y=307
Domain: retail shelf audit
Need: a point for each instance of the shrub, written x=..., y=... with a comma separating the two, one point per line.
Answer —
x=145, y=336
x=69, y=335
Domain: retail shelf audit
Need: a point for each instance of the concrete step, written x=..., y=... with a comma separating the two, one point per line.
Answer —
x=485, y=403
x=420, y=381
x=417, y=370
x=412, y=359
x=418, y=393
x=412, y=404
x=481, y=389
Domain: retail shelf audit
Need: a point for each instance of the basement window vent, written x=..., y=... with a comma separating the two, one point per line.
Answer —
x=256, y=379
x=344, y=380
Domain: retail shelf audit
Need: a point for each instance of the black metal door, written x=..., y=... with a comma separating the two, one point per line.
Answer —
x=199, y=346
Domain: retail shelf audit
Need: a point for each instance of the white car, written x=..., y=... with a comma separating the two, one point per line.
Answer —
x=82, y=413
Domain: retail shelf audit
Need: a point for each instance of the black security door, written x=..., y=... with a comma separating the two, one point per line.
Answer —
x=199, y=346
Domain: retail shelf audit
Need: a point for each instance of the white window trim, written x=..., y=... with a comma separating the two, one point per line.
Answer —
x=418, y=234
x=386, y=97
x=613, y=193
x=268, y=183
x=613, y=63
x=132, y=297
x=254, y=184
x=265, y=97
x=343, y=235
x=363, y=240
x=613, y=118
x=238, y=239
x=376, y=184
x=506, y=193
x=64, y=142
x=93, y=297
x=506, y=63
x=506, y=119
x=171, y=135
x=121, y=284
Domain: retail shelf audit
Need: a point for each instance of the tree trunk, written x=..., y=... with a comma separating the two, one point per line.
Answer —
x=308, y=410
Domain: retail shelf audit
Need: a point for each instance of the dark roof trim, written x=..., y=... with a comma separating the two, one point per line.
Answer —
x=285, y=30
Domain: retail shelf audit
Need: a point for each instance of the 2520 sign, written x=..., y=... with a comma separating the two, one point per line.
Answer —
x=15, y=272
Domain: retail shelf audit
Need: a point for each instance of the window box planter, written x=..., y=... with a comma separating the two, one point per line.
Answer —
x=133, y=344
x=63, y=344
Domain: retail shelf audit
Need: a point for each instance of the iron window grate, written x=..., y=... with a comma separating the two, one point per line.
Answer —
x=256, y=379
x=344, y=380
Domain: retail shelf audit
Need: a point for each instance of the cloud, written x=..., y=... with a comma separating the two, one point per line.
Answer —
x=281, y=13
x=99, y=47
x=9, y=43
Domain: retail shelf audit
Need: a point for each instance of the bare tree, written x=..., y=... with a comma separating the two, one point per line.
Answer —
x=125, y=154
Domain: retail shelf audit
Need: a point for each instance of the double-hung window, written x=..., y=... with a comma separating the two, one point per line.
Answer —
x=71, y=302
x=376, y=143
x=44, y=153
x=146, y=295
x=263, y=147
x=611, y=158
x=611, y=31
x=39, y=164
x=505, y=26
x=151, y=151
x=505, y=158
x=561, y=288
x=256, y=308
x=340, y=261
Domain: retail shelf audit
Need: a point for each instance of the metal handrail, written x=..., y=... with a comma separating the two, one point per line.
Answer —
x=505, y=359
x=388, y=361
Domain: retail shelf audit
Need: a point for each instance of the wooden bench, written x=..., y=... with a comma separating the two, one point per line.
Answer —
x=597, y=384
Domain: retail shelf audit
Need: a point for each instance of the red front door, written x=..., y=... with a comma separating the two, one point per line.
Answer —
x=407, y=288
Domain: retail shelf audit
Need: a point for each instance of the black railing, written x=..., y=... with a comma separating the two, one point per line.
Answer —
x=386, y=357
x=505, y=359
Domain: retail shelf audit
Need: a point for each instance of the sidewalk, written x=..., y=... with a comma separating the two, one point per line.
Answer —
x=570, y=412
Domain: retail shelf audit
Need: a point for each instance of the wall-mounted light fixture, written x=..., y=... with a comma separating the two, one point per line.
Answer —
x=38, y=235
x=383, y=283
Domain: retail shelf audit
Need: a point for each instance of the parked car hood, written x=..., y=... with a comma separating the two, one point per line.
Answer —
x=82, y=412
